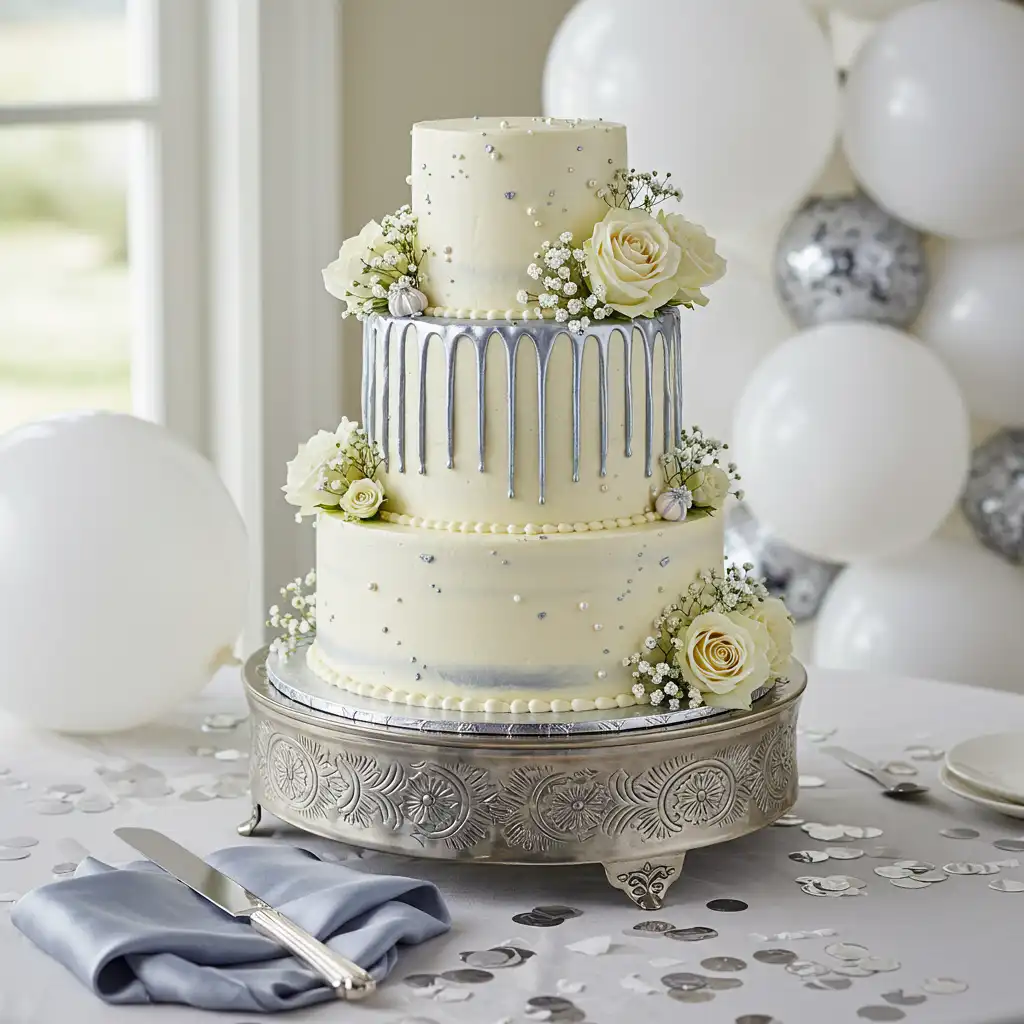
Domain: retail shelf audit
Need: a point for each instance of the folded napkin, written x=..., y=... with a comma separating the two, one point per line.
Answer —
x=136, y=935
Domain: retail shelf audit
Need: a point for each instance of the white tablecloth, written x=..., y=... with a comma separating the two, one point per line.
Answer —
x=960, y=929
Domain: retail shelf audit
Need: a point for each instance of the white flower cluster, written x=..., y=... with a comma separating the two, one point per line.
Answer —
x=380, y=258
x=298, y=619
x=715, y=645
x=635, y=189
x=695, y=464
x=568, y=294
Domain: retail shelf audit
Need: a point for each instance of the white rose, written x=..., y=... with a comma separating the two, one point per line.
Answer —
x=635, y=260
x=708, y=485
x=774, y=616
x=347, y=277
x=699, y=263
x=305, y=471
x=362, y=499
x=725, y=655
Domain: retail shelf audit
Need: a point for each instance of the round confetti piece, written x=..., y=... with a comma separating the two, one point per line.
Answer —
x=557, y=1004
x=915, y=867
x=537, y=920
x=807, y=969
x=879, y=964
x=221, y=722
x=52, y=807
x=467, y=976
x=892, y=871
x=94, y=803
x=847, y=951
x=65, y=867
x=1006, y=885
x=684, y=981
x=788, y=821
x=696, y=934
x=778, y=957
x=810, y=782
x=855, y=883
x=813, y=889
x=727, y=906
x=899, y=768
x=844, y=852
x=420, y=980
x=9, y=853
x=657, y=927
x=826, y=833
x=66, y=789
x=699, y=996
x=557, y=910
x=919, y=752
x=880, y=1013
x=932, y=876
x=853, y=831
x=808, y=856
x=20, y=842
x=909, y=883
x=1012, y=845
x=969, y=868
x=852, y=970
x=487, y=957
x=724, y=963
x=960, y=833
x=10, y=897
x=723, y=984
x=871, y=832
x=834, y=884
x=944, y=986
x=900, y=997
x=756, y=1018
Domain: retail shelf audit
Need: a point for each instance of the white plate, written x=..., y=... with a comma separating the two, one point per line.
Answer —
x=994, y=764
x=961, y=788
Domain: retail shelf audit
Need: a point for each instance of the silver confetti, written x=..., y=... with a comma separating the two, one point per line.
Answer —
x=844, y=852
x=829, y=984
x=723, y=984
x=969, y=868
x=891, y=871
x=901, y=997
x=833, y=884
x=700, y=996
x=1006, y=885
x=916, y=867
x=757, y=1018
x=221, y=722
x=724, y=963
x=51, y=807
x=20, y=842
x=899, y=768
x=846, y=951
x=806, y=968
x=908, y=883
x=810, y=781
x=923, y=753
x=684, y=981
x=467, y=976
x=66, y=867
x=879, y=964
x=944, y=986
x=94, y=803
x=1012, y=845
x=8, y=853
x=880, y=1013
x=657, y=927
x=230, y=754
x=808, y=856
x=788, y=821
x=779, y=957
x=825, y=833
x=932, y=876
x=696, y=934
x=852, y=970
x=961, y=833
x=65, y=789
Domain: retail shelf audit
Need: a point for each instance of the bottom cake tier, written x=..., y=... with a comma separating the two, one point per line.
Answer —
x=497, y=622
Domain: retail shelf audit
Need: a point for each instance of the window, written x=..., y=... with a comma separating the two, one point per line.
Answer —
x=98, y=104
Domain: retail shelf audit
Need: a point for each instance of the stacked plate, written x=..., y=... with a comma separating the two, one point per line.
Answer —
x=989, y=770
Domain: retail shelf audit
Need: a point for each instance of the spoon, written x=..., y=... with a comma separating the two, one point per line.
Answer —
x=892, y=785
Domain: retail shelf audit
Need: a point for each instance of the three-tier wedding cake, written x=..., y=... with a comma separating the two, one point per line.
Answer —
x=522, y=523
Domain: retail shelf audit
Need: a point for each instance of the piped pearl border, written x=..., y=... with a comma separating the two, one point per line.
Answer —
x=322, y=666
x=466, y=313
x=529, y=529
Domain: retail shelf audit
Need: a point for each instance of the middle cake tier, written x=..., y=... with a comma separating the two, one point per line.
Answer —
x=500, y=623
x=499, y=425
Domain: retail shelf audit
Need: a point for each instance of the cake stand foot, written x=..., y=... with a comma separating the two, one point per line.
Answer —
x=645, y=882
x=247, y=828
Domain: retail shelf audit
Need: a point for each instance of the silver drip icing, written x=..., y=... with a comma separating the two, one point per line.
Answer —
x=543, y=336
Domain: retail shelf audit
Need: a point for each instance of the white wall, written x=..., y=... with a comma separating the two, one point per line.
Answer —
x=416, y=60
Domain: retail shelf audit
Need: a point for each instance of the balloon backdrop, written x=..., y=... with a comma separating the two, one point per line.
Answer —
x=737, y=98
x=800, y=580
x=852, y=440
x=123, y=562
x=845, y=258
x=724, y=343
x=944, y=610
x=993, y=500
x=933, y=125
x=974, y=319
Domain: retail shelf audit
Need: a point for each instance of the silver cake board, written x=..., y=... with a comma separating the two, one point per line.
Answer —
x=628, y=789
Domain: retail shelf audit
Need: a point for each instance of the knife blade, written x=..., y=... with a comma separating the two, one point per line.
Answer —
x=348, y=980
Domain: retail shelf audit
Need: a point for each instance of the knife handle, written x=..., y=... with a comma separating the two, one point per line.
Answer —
x=348, y=980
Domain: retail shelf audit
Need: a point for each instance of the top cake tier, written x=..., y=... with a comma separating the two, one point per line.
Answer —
x=488, y=191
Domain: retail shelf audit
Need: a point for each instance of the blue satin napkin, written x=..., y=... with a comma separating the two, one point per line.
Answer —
x=137, y=935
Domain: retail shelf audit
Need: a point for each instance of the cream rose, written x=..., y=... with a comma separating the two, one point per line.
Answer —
x=306, y=472
x=347, y=277
x=725, y=655
x=773, y=615
x=635, y=259
x=362, y=499
x=699, y=263
x=708, y=485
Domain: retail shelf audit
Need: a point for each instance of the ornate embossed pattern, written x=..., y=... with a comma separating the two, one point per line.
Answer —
x=535, y=807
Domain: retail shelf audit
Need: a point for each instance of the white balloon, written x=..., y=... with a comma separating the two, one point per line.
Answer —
x=974, y=319
x=724, y=342
x=944, y=610
x=933, y=125
x=852, y=441
x=737, y=98
x=123, y=561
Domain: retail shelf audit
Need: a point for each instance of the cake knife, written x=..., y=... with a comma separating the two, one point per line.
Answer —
x=348, y=980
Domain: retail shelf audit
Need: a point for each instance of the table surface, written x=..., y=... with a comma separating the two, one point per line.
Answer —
x=960, y=929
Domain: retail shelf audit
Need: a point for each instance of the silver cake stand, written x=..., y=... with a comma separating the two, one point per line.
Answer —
x=628, y=789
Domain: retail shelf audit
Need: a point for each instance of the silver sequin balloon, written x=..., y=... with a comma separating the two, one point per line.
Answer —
x=800, y=580
x=845, y=258
x=993, y=500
